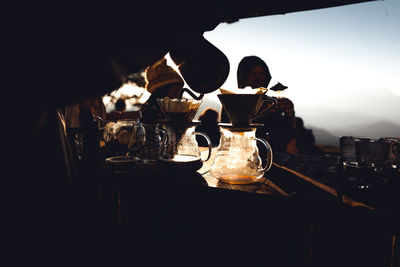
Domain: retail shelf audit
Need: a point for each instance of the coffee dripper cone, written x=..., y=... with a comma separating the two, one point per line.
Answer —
x=242, y=109
x=179, y=109
x=179, y=113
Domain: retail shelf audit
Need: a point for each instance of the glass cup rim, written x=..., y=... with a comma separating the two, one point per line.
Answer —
x=372, y=140
x=353, y=137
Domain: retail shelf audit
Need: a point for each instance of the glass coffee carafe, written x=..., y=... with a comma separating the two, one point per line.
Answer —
x=238, y=160
x=117, y=136
x=179, y=147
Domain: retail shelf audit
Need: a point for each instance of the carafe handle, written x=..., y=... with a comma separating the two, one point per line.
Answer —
x=269, y=99
x=269, y=150
x=208, y=142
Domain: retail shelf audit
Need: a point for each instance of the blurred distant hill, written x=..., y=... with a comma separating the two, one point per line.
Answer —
x=328, y=124
x=323, y=137
x=329, y=118
x=375, y=129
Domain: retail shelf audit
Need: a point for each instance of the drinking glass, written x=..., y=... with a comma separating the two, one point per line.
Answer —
x=393, y=164
x=348, y=149
x=372, y=153
x=372, y=158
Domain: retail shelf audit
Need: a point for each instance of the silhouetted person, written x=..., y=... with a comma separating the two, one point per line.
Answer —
x=161, y=81
x=280, y=127
x=209, y=126
x=120, y=105
x=285, y=132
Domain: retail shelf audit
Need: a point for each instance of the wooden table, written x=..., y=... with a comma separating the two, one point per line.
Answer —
x=157, y=217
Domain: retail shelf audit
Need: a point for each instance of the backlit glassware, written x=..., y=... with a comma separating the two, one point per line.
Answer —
x=238, y=160
x=179, y=146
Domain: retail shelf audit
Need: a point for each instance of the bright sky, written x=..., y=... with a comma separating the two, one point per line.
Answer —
x=345, y=58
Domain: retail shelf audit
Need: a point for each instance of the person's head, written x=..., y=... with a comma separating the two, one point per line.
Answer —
x=253, y=71
x=209, y=116
x=120, y=105
x=162, y=80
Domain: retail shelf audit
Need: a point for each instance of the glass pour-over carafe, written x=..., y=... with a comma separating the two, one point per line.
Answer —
x=179, y=147
x=238, y=160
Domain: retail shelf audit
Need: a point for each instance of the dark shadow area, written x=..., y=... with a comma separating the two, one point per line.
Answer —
x=62, y=213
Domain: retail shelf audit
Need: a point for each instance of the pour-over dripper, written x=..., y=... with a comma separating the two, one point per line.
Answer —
x=242, y=109
x=179, y=109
